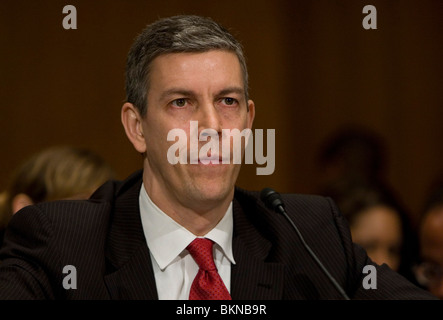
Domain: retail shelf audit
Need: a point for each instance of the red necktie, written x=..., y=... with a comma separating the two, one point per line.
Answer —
x=207, y=285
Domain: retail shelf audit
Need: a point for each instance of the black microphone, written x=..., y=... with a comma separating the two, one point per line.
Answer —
x=273, y=201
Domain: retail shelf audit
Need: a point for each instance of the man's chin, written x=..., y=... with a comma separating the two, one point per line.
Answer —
x=212, y=191
x=212, y=186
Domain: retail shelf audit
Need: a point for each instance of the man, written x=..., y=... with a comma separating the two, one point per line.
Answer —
x=135, y=239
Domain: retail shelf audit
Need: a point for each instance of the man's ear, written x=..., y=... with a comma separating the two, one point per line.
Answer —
x=20, y=201
x=132, y=122
x=251, y=113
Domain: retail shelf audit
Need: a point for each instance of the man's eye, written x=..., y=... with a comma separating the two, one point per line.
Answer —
x=229, y=101
x=179, y=103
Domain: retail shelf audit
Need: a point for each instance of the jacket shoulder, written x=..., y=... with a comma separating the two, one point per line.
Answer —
x=292, y=201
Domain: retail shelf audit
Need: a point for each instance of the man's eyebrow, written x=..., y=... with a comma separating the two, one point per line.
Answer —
x=229, y=90
x=189, y=93
x=176, y=91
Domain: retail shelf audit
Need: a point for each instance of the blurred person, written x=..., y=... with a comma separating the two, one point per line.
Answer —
x=61, y=172
x=380, y=224
x=352, y=155
x=354, y=164
x=429, y=272
x=186, y=231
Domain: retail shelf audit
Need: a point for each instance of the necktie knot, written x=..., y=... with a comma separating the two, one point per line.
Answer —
x=207, y=285
x=201, y=251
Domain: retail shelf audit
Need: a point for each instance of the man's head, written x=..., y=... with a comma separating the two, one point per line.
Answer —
x=178, y=34
x=183, y=71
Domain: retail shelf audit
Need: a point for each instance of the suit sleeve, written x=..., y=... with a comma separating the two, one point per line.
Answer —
x=24, y=256
x=368, y=280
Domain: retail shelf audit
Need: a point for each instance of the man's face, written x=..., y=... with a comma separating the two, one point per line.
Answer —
x=205, y=87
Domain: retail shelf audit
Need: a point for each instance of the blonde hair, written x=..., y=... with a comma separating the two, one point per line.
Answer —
x=60, y=172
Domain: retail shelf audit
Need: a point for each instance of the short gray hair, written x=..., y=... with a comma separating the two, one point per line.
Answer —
x=184, y=33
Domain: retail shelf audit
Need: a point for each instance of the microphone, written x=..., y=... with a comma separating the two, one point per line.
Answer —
x=273, y=201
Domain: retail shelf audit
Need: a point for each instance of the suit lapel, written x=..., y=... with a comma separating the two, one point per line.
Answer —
x=252, y=277
x=134, y=280
x=130, y=275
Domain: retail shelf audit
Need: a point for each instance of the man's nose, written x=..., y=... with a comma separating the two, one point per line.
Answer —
x=209, y=118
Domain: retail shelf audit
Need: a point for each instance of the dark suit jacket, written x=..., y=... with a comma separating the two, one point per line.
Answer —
x=103, y=239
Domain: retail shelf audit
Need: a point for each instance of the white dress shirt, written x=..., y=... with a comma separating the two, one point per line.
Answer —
x=174, y=267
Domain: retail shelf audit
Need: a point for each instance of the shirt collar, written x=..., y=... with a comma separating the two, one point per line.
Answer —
x=162, y=232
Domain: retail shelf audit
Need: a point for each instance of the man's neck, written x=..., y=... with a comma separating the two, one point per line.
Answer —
x=199, y=217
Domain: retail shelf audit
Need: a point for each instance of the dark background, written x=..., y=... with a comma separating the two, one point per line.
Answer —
x=313, y=70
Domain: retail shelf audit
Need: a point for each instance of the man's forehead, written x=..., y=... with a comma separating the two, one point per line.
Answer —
x=184, y=70
x=184, y=58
